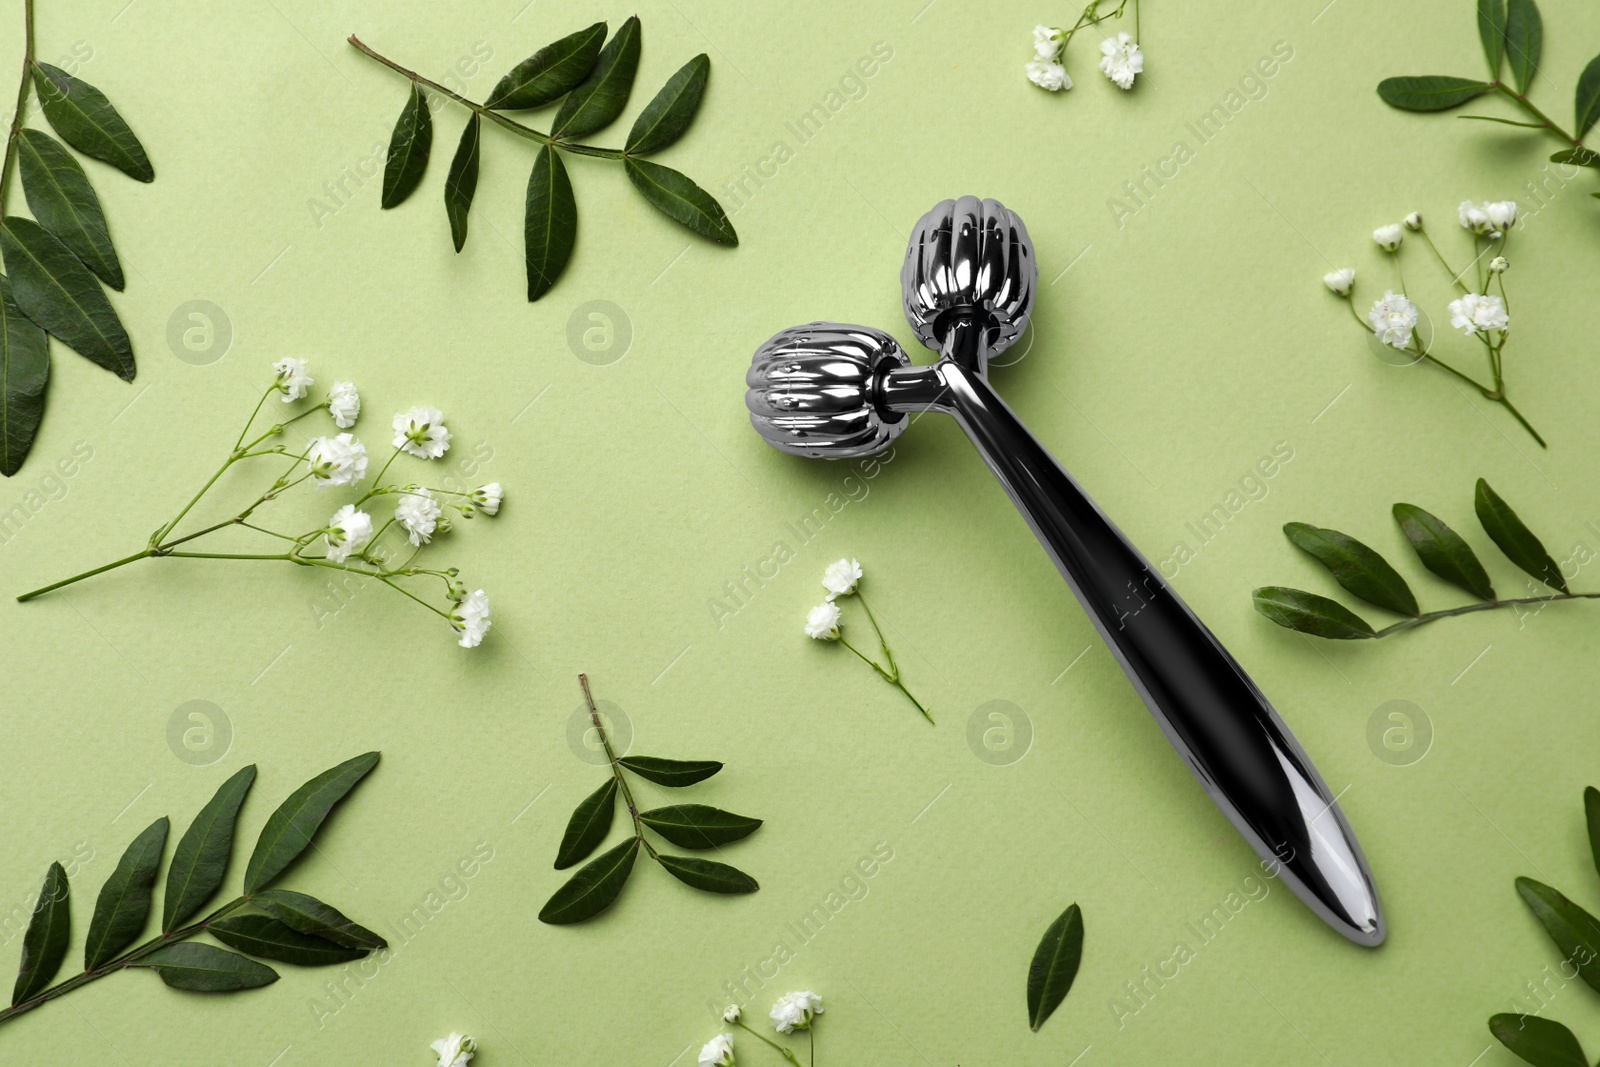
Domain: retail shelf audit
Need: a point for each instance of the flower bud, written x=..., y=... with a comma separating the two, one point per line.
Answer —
x=1388, y=237
x=1414, y=221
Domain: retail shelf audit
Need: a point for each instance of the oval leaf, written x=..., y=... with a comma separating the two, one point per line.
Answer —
x=56, y=291
x=600, y=98
x=1591, y=813
x=124, y=902
x=681, y=200
x=1310, y=613
x=201, y=858
x=308, y=915
x=201, y=968
x=708, y=875
x=409, y=145
x=1575, y=932
x=24, y=375
x=698, y=825
x=1524, y=41
x=1579, y=157
x=551, y=226
x=85, y=119
x=1514, y=538
x=588, y=826
x=594, y=888
x=1054, y=966
x=667, y=117
x=1430, y=92
x=44, y=945
x=1443, y=551
x=1355, y=566
x=61, y=199
x=1588, y=99
x=549, y=72
x=671, y=772
x=290, y=829
x=1541, y=1042
x=264, y=936
x=1492, y=30
x=462, y=182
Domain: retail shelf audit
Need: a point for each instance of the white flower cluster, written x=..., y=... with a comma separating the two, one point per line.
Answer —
x=1490, y=219
x=793, y=1011
x=1120, y=59
x=456, y=1050
x=839, y=579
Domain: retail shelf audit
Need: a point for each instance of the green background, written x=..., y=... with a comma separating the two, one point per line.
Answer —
x=1182, y=346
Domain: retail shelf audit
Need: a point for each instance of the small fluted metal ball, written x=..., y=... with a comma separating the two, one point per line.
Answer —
x=811, y=390
x=969, y=257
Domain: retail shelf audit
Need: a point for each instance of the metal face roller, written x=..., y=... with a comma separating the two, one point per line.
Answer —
x=829, y=390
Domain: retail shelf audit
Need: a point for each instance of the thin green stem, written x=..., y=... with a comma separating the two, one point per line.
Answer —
x=892, y=679
x=204, y=489
x=782, y=1051
x=239, y=445
x=616, y=765
x=1486, y=605
x=1529, y=106
x=1506, y=403
x=882, y=641
x=86, y=574
x=1455, y=278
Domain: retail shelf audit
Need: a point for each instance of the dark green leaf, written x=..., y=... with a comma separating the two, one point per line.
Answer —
x=44, y=945
x=55, y=290
x=600, y=98
x=708, y=875
x=549, y=72
x=681, y=200
x=124, y=902
x=1591, y=814
x=1492, y=29
x=1355, y=566
x=202, y=968
x=1430, y=92
x=666, y=117
x=1515, y=539
x=593, y=888
x=1443, y=551
x=590, y=823
x=1575, y=932
x=551, y=226
x=1588, y=98
x=408, y=149
x=462, y=182
x=1054, y=966
x=266, y=937
x=308, y=915
x=1541, y=1042
x=1310, y=613
x=1581, y=157
x=85, y=119
x=201, y=858
x=290, y=829
x=62, y=201
x=1524, y=40
x=698, y=825
x=24, y=374
x=671, y=772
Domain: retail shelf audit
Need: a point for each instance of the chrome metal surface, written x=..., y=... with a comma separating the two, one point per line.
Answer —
x=811, y=390
x=971, y=259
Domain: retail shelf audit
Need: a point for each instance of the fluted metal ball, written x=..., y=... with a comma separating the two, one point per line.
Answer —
x=812, y=390
x=969, y=257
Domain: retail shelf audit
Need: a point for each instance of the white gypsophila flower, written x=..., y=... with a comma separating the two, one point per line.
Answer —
x=455, y=1050
x=1389, y=237
x=1474, y=217
x=421, y=431
x=731, y=1014
x=344, y=404
x=840, y=578
x=794, y=1011
x=292, y=380
x=1048, y=74
x=822, y=621
x=348, y=531
x=1120, y=59
x=1498, y=265
x=1047, y=42
x=1393, y=318
x=1474, y=313
x=486, y=498
x=1340, y=281
x=718, y=1052
x=1502, y=213
x=340, y=460
x=419, y=514
x=471, y=619
x=1413, y=221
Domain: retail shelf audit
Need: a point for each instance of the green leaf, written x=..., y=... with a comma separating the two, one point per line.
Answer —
x=1588, y=98
x=201, y=968
x=462, y=182
x=671, y=772
x=1524, y=40
x=1515, y=539
x=698, y=825
x=667, y=117
x=1430, y=92
x=1575, y=932
x=61, y=199
x=590, y=823
x=308, y=915
x=549, y=72
x=1355, y=566
x=266, y=937
x=85, y=119
x=124, y=902
x=681, y=200
x=1591, y=814
x=24, y=375
x=1492, y=29
x=1054, y=966
x=551, y=225
x=600, y=97
x=1541, y=1042
x=201, y=858
x=1310, y=613
x=1580, y=157
x=44, y=945
x=593, y=888
x=708, y=875
x=1443, y=551
x=290, y=829
x=56, y=291
x=408, y=149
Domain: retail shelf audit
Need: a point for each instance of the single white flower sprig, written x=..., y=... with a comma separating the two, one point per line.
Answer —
x=348, y=540
x=455, y=1050
x=792, y=1012
x=1120, y=57
x=823, y=623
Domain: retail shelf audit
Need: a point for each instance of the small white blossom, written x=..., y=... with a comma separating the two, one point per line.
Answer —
x=348, y=531
x=1393, y=318
x=1473, y=313
x=1413, y=221
x=1339, y=281
x=1474, y=217
x=840, y=578
x=794, y=1011
x=718, y=1052
x=731, y=1014
x=455, y=1050
x=1502, y=214
x=1121, y=59
x=1498, y=265
x=421, y=431
x=419, y=514
x=340, y=460
x=471, y=619
x=1047, y=42
x=486, y=498
x=344, y=404
x=822, y=621
x=1048, y=74
x=1389, y=237
x=292, y=380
